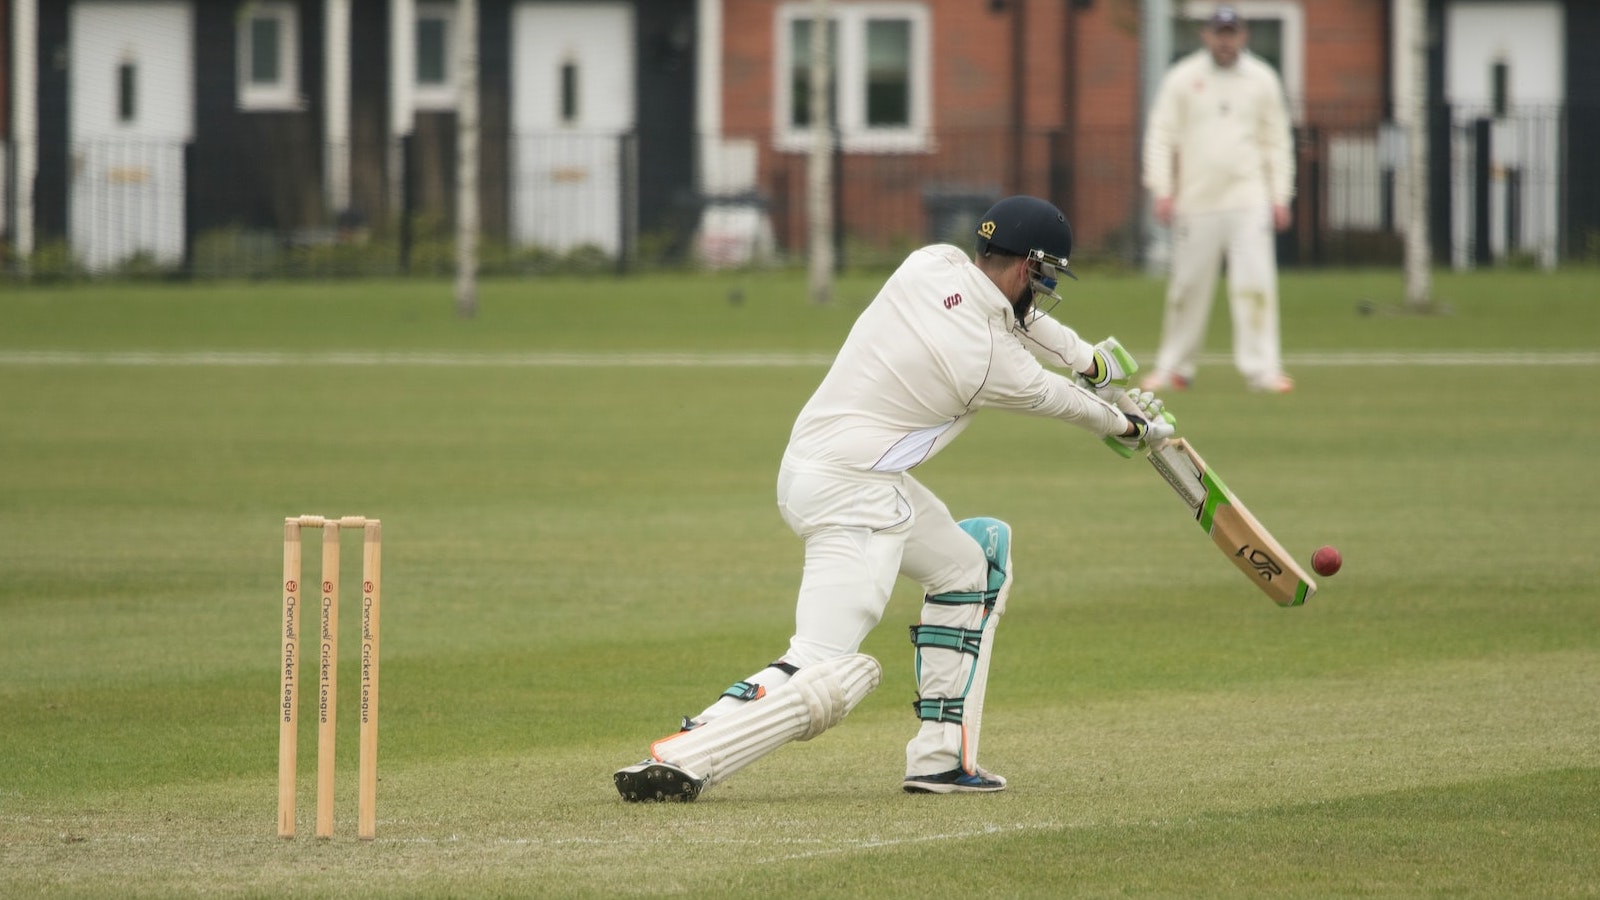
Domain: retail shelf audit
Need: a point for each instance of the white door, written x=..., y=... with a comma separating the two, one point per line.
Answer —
x=1513, y=50
x=132, y=111
x=572, y=108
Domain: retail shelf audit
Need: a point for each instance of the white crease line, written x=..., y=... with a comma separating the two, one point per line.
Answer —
x=748, y=360
x=855, y=846
x=822, y=847
x=245, y=358
x=1440, y=358
x=839, y=847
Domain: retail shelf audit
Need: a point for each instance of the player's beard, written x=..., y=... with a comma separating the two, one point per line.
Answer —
x=1022, y=302
x=1225, y=56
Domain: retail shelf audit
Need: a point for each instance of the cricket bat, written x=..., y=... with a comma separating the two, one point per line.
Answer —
x=1245, y=541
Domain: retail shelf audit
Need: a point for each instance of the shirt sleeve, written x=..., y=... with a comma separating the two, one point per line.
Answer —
x=1054, y=344
x=1277, y=142
x=1160, y=135
x=1019, y=383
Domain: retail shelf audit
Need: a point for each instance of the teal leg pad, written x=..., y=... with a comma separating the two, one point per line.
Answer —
x=994, y=536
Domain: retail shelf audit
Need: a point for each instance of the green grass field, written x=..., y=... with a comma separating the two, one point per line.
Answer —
x=581, y=545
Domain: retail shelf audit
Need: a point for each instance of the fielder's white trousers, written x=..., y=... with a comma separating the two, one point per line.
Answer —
x=1200, y=241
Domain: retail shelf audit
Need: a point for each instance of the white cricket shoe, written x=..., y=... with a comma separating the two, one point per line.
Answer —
x=1159, y=381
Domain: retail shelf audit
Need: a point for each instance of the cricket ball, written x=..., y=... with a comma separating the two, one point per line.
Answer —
x=1326, y=560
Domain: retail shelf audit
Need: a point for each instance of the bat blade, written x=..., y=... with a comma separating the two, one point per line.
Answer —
x=1238, y=534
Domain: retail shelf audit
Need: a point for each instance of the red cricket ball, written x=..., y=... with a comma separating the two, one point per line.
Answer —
x=1326, y=560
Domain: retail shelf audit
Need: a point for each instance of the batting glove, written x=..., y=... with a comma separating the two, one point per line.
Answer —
x=1114, y=368
x=1151, y=422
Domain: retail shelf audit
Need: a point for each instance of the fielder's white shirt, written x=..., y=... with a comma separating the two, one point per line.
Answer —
x=1218, y=138
x=937, y=344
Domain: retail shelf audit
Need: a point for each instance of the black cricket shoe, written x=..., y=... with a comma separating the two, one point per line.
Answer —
x=653, y=781
x=955, y=781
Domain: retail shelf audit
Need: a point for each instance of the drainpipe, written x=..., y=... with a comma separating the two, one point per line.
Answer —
x=1155, y=48
x=336, y=107
x=402, y=84
x=820, y=174
x=1068, y=189
x=467, y=215
x=1019, y=91
x=708, y=89
x=25, y=123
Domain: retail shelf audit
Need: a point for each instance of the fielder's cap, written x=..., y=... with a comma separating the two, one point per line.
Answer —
x=1224, y=17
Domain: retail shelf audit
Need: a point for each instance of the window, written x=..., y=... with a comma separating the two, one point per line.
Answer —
x=268, y=47
x=1277, y=36
x=800, y=74
x=888, y=73
x=569, y=93
x=1500, y=88
x=880, y=86
x=436, y=57
x=127, y=93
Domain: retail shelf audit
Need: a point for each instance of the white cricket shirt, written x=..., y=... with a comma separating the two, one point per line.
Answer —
x=1218, y=138
x=937, y=344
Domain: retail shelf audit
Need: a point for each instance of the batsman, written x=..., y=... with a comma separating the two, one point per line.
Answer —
x=949, y=334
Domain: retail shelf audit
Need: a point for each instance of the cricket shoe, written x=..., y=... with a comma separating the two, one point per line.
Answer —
x=1277, y=384
x=653, y=781
x=955, y=781
x=1159, y=381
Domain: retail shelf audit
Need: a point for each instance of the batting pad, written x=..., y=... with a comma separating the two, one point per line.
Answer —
x=817, y=698
x=955, y=641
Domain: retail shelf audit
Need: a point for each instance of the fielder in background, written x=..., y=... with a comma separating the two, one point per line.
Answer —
x=1218, y=163
x=948, y=334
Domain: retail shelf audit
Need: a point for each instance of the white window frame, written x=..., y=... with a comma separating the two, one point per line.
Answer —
x=437, y=96
x=284, y=94
x=1293, y=18
x=850, y=75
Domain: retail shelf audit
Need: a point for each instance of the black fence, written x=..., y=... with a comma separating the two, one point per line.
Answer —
x=1505, y=189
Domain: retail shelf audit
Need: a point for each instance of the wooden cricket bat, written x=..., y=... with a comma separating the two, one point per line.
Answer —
x=1232, y=528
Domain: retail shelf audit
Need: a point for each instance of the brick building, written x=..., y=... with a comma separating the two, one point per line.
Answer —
x=618, y=129
x=1007, y=96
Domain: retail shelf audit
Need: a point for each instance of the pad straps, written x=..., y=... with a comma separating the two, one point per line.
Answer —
x=962, y=640
x=937, y=709
x=748, y=690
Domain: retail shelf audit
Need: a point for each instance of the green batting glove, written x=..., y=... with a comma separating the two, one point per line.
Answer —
x=1151, y=422
x=1114, y=368
x=1118, y=447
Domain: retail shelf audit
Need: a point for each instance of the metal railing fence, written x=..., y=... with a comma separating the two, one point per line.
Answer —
x=573, y=201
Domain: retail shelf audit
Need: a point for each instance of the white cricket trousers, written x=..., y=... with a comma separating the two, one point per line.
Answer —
x=1199, y=243
x=862, y=530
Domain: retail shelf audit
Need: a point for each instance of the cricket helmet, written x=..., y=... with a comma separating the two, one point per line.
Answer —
x=1030, y=227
